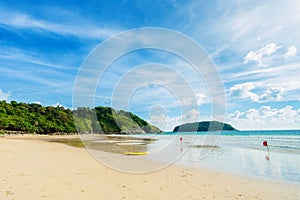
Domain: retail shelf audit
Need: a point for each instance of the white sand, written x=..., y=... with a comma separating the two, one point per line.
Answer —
x=33, y=169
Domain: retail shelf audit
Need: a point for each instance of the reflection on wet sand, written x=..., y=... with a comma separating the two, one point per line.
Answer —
x=114, y=144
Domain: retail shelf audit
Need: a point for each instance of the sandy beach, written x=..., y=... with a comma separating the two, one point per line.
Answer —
x=32, y=168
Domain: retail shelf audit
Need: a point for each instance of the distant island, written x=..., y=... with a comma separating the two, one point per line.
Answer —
x=34, y=118
x=204, y=126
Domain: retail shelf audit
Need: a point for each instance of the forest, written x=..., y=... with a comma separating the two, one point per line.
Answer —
x=34, y=118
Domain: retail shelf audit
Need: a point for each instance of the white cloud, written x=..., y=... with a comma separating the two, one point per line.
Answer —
x=27, y=22
x=258, y=56
x=4, y=95
x=10, y=53
x=57, y=105
x=191, y=116
x=284, y=76
x=244, y=91
x=269, y=21
x=167, y=123
x=272, y=94
x=200, y=99
x=266, y=118
x=158, y=120
x=292, y=51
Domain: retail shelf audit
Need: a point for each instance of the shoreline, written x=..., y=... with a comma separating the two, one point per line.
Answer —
x=33, y=168
x=131, y=140
x=122, y=144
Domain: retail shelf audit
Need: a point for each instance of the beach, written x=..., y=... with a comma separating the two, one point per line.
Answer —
x=34, y=168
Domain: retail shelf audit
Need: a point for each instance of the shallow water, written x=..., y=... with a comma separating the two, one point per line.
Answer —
x=234, y=152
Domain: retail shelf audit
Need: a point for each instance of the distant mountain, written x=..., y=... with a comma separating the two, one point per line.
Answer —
x=34, y=118
x=204, y=126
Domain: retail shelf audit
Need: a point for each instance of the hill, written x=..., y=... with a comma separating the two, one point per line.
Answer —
x=204, y=126
x=109, y=120
x=34, y=118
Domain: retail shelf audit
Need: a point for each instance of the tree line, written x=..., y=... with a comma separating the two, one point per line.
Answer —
x=35, y=118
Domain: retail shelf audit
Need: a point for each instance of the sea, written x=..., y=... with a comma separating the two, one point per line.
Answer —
x=236, y=152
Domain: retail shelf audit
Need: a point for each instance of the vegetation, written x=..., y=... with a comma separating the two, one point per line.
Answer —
x=204, y=126
x=108, y=120
x=35, y=118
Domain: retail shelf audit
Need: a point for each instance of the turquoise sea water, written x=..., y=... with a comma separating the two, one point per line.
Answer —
x=238, y=152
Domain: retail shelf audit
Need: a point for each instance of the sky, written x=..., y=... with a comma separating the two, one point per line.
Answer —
x=254, y=46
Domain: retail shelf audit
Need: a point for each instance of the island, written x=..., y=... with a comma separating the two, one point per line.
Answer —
x=204, y=126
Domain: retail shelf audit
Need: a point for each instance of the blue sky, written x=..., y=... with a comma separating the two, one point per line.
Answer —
x=254, y=45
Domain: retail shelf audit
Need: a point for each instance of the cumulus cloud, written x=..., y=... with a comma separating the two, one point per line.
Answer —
x=198, y=99
x=159, y=120
x=202, y=98
x=167, y=123
x=57, y=105
x=292, y=51
x=272, y=94
x=191, y=116
x=4, y=95
x=266, y=117
x=244, y=91
x=259, y=55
